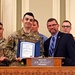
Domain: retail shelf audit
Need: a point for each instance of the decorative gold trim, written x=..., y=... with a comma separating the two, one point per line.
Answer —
x=18, y=14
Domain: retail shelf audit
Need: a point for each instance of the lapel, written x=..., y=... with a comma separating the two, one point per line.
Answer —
x=57, y=41
x=48, y=43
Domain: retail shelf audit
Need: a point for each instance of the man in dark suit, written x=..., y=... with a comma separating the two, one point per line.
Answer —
x=63, y=45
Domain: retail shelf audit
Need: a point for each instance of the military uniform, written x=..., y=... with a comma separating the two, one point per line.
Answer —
x=2, y=47
x=12, y=43
x=2, y=43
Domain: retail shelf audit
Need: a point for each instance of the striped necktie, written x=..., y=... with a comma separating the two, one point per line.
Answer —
x=51, y=51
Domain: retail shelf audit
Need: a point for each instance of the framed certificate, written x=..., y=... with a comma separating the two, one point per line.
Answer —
x=28, y=49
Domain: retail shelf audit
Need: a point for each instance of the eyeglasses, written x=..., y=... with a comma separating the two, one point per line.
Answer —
x=52, y=25
x=66, y=26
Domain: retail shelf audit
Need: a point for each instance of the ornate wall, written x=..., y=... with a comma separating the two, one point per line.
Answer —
x=12, y=11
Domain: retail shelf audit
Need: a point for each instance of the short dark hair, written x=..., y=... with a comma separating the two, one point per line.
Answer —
x=67, y=21
x=1, y=24
x=51, y=19
x=35, y=20
x=28, y=13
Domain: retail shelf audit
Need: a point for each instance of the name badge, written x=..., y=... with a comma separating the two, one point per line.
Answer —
x=42, y=62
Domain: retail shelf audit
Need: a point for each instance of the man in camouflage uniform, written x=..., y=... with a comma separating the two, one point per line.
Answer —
x=24, y=34
x=2, y=45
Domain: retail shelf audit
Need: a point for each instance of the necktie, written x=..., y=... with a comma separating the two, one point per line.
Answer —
x=52, y=47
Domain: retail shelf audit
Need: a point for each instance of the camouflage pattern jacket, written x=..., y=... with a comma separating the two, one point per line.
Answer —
x=12, y=42
x=2, y=46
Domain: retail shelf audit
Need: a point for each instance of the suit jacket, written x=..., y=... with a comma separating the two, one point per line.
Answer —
x=65, y=47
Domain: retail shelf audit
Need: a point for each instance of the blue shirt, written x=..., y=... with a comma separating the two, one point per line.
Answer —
x=44, y=38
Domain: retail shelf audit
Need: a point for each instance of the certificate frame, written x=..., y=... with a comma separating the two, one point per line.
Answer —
x=27, y=49
x=35, y=47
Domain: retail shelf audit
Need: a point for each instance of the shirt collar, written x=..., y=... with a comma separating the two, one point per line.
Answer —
x=55, y=36
x=24, y=33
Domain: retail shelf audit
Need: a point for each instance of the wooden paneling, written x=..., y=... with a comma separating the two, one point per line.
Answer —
x=35, y=70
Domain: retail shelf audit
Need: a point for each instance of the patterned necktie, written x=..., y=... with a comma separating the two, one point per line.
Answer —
x=51, y=51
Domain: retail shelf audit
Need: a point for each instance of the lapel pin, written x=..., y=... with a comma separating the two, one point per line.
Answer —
x=59, y=37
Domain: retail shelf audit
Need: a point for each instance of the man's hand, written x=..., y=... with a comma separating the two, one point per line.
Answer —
x=18, y=59
x=2, y=58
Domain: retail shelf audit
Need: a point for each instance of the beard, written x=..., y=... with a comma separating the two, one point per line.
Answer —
x=53, y=31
